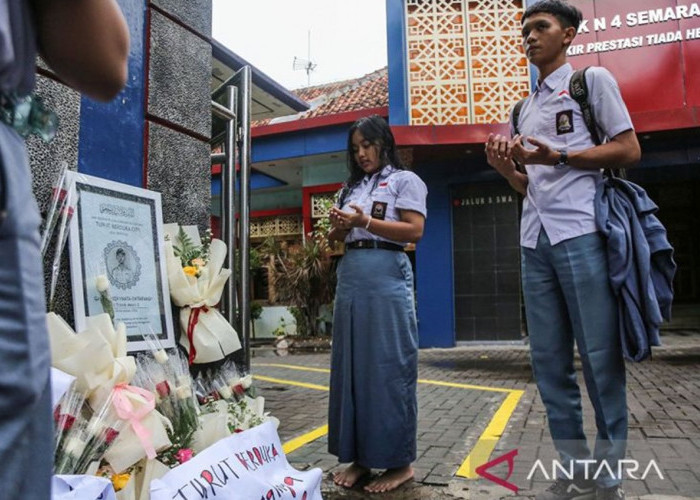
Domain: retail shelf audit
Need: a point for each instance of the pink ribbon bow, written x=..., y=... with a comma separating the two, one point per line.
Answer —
x=126, y=411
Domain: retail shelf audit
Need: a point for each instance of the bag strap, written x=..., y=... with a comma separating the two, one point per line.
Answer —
x=516, y=114
x=578, y=89
x=516, y=117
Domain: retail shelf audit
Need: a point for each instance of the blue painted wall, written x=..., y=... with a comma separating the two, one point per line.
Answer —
x=396, y=55
x=434, y=257
x=434, y=285
x=111, y=134
x=303, y=143
x=258, y=180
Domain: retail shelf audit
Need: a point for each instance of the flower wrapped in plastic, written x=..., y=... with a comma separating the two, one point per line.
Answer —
x=87, y=440
x=247, y=413
x=96, y=356
x=186, y=402
x=67, y=414
x=226, y=406
x=213, y=405
x=166, y=374
x=240, y=382
x=154, y=378
x=197, y=280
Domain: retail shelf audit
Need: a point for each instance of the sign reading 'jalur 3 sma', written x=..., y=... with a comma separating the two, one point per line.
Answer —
x=653, y=48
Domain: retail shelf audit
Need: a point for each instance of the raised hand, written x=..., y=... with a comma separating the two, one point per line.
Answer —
x=499, y=154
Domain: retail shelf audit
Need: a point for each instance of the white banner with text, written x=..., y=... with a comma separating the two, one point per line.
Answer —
x=249, y=465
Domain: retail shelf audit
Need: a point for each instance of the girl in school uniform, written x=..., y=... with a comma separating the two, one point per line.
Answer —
x=372, y=403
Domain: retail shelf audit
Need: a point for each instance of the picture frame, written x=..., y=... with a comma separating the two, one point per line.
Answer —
x=116, y=233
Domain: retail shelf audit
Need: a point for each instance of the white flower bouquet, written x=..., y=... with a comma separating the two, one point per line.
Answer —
x=197, y=281
x=97, y=358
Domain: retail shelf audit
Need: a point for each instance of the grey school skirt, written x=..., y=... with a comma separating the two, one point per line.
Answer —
x=374, y=361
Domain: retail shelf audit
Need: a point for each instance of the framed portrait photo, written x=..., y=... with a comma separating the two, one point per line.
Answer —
x=116, y=242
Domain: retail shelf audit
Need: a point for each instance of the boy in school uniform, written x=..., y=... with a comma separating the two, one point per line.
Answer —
x=567, y=294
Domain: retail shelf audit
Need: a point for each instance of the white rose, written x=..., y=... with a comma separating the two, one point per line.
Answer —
x=247, y=381
x=183, y=392
x=102, y=283
x=225, y=392
x=75, y=446
x=161, y=356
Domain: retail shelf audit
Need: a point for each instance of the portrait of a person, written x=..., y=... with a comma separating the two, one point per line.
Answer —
x=122, y=273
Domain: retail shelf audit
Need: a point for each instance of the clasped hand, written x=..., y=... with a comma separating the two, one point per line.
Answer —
x=501, y=153
x=346, y=220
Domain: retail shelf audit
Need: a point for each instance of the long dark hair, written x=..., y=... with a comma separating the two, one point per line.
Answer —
x=375, y=130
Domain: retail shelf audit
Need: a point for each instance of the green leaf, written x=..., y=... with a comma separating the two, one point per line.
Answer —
x=187, y=251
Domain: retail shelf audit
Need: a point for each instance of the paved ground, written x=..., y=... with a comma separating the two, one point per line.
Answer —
x=492, y=408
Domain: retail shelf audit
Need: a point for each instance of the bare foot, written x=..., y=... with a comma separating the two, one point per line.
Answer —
x=390, y=479
x=350, y=475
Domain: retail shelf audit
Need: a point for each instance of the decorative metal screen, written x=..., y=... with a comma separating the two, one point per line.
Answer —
x=465, y=60
x=282, y=225
x=320, y=205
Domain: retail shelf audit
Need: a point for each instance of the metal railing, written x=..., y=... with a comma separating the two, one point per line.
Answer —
x=235, y=301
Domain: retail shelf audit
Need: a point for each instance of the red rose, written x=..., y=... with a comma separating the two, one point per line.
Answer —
x=111, y=435
x=163, y=388
x=68, y=421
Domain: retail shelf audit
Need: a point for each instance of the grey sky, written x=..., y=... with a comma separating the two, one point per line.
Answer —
x=348, y=38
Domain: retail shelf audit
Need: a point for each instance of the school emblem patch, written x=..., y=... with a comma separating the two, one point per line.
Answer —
x=379, y=210
x=565, y=122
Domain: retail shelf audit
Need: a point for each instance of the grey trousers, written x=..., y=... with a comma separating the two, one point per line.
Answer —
x=26, y=429
x=568, y=299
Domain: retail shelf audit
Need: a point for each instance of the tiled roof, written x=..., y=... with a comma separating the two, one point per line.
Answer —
x=369, y=91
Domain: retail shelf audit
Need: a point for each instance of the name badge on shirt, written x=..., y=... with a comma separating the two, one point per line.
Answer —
x=379, y=210
x=565, y=122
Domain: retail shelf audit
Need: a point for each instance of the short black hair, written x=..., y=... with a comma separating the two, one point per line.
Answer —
x=376, y=130
x=567, y=14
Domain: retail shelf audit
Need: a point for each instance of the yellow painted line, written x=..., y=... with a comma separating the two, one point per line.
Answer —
x=291, y=382
x=294, y=367
x=304, y=439
x=480, y=452
x=487, y=441
x=463, y=386
x=420, y=381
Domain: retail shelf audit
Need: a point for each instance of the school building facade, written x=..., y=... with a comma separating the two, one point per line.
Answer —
x=455, y=69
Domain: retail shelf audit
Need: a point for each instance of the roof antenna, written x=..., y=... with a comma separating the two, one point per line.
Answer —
x=305, y=64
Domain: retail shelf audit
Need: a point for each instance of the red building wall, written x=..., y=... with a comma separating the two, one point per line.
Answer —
x=659, y=78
